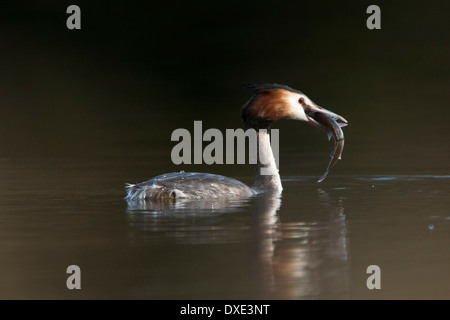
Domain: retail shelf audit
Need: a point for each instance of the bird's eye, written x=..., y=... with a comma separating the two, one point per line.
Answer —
x=301, y=101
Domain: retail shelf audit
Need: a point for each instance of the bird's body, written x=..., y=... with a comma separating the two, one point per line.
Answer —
x=189, y=185
x=269, y=103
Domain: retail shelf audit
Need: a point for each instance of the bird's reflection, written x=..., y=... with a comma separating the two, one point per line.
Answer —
x=301, y=259
x=294, y=259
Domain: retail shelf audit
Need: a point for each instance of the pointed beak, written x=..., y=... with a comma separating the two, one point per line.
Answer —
x=311, y=109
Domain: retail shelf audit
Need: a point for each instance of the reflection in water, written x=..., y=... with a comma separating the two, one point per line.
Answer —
x=186, y=221
x=289, y=260
x=301, y=259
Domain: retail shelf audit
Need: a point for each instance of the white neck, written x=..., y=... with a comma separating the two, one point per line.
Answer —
x=267, y=176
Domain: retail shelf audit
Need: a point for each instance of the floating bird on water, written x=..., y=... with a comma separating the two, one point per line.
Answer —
x=269, y=103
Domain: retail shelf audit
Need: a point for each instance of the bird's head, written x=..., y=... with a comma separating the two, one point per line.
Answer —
x=272, y=102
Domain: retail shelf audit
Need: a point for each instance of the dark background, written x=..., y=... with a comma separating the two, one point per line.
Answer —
x=84, y=111
x=138, y=70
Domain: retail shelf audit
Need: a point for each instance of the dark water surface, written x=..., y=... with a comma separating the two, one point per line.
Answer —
x=84, y=112
x=316, y=241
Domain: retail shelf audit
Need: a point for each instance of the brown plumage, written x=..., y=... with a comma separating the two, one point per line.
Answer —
x=269, y=103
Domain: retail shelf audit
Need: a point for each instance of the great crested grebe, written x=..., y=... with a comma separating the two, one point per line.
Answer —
x=269, y=103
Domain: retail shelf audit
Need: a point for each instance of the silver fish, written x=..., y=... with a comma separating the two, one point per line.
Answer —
x=333, y=129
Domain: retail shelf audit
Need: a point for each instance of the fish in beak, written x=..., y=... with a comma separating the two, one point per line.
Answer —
x=332, y=124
